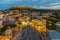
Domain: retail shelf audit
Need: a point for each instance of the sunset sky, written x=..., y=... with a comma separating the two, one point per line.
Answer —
x=39, y=4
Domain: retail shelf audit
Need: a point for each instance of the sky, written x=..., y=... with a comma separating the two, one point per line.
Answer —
x=38, y=4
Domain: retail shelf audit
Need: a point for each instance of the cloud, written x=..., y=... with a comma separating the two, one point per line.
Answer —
x=57, y=3
x=55, y=7
x=43, y=7
x=50, y=7
x=35, y=6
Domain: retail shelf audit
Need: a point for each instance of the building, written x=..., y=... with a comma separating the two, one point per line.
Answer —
x=46, y=15
x=58, y=26
x=53, y=35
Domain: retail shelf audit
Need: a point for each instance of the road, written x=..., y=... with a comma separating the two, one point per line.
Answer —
x=28, y=33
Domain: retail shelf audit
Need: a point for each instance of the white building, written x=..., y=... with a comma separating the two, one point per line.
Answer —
x=58, y=26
